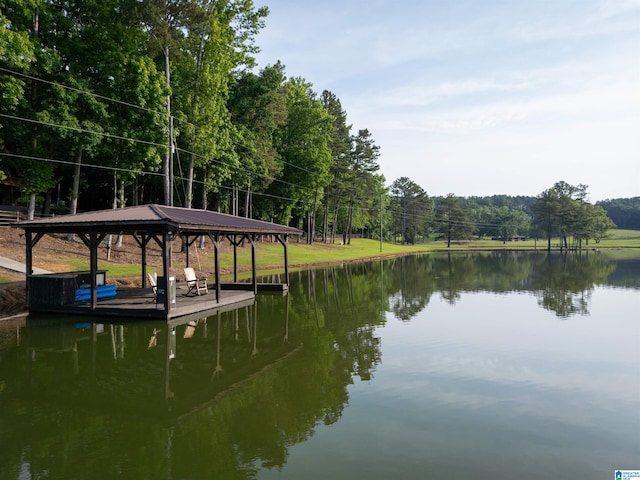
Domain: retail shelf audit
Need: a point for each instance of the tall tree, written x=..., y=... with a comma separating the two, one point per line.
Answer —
x=303, y=145
x=258, y=109
x=16, y=53
x=412, y=209
x=221, y=43
x=33, y=134
x=452, y=220
x=545, y=211
x=509, y=222
x=168, y=22
x=340, y=145
x=363, y=166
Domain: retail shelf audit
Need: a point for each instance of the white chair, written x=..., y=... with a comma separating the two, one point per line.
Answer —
x=195, y=285
x=153, y=282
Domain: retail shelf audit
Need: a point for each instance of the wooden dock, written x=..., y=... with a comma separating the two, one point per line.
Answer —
x=162, y=224
x=140, y=303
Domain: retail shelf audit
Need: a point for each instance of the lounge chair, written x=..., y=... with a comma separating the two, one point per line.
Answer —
x=153, y=282
x=196, y=285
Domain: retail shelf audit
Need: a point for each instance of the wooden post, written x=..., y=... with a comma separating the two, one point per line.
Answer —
x=283, y=242
x=216, y=263
x=235, y=258
x=93, y=268
x=29, y=265
x=31, y=242
x=145, y=240
x=254, y=280
x=165, y=272
x=217, y=267
x=186, y=254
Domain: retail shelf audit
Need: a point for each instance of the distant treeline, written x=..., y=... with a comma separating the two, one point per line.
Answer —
x=625, y=212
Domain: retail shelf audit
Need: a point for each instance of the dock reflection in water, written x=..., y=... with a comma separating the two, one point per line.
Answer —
x=105, y=400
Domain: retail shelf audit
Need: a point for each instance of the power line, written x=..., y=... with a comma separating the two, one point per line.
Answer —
x=78, y=90
x=145, y=142
x=137, y=172
x=155, y=144
x=127, y=104
x=81, y=130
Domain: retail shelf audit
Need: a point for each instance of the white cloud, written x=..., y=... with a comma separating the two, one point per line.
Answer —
x=480, y=85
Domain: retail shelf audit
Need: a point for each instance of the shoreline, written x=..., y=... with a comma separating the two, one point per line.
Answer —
x=13, y=295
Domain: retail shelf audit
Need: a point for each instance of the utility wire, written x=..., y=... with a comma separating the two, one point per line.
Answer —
x=162, y=145
x=145, y=142
x=127, y=104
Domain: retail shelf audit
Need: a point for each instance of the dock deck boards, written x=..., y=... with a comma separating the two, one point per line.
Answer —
x=140, y=303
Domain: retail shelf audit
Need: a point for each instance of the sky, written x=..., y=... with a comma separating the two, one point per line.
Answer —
x=477, y=97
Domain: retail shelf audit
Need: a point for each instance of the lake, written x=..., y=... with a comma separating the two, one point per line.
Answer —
x=479, y=366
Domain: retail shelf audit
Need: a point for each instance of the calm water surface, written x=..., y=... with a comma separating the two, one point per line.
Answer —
x=483, y=366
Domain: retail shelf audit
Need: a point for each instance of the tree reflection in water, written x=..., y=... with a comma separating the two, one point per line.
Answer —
x=158, y=400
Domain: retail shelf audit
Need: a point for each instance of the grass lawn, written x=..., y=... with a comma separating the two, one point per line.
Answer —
x=300, y=254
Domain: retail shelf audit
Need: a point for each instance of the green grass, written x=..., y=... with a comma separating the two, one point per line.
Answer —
x=114, y=269
x=270, y=256
x=301, y=254
x=619, y=238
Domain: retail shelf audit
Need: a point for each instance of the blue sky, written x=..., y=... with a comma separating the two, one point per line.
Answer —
x=477, y=97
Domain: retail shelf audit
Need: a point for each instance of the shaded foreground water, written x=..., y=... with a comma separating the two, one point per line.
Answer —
x=478, y=366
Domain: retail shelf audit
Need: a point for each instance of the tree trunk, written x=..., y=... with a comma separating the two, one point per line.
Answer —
x=122, y=205
x=312, y=220
x=168, y=157
x=73, y=208
x=204, y=200
x=334, y=223
x=325, y=220
x=46, y=208
x=114, y=205
x=31, y=211
x=349, y=221
x=247, y=201
x=134, y=192
x=189, y=194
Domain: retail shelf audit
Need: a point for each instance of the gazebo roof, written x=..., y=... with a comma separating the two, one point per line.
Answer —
x=154, y=217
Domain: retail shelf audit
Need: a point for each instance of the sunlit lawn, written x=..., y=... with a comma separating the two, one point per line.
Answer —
x=272, y=255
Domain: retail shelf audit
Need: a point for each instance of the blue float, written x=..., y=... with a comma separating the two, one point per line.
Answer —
x=103, y=291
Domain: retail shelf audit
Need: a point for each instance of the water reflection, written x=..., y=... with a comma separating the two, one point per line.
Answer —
x=231, y=394
x=561, y=282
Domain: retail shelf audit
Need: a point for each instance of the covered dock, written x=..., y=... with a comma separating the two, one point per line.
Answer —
x=146, y=223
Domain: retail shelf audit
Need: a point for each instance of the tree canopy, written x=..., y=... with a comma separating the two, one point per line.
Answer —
x=122, y=102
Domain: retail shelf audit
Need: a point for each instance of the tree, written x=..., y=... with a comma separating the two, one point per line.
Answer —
x=303, y=145
x=565, y=211
x=545, y=215
x=412, y=209
x=363, y=166
x=257, y=105
x=509, y=222
x=168, y=22
x=16, y=52
x=340, y=145
x=600, y=224
x=624, y=212
x=217, y=45
x=452, y=221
